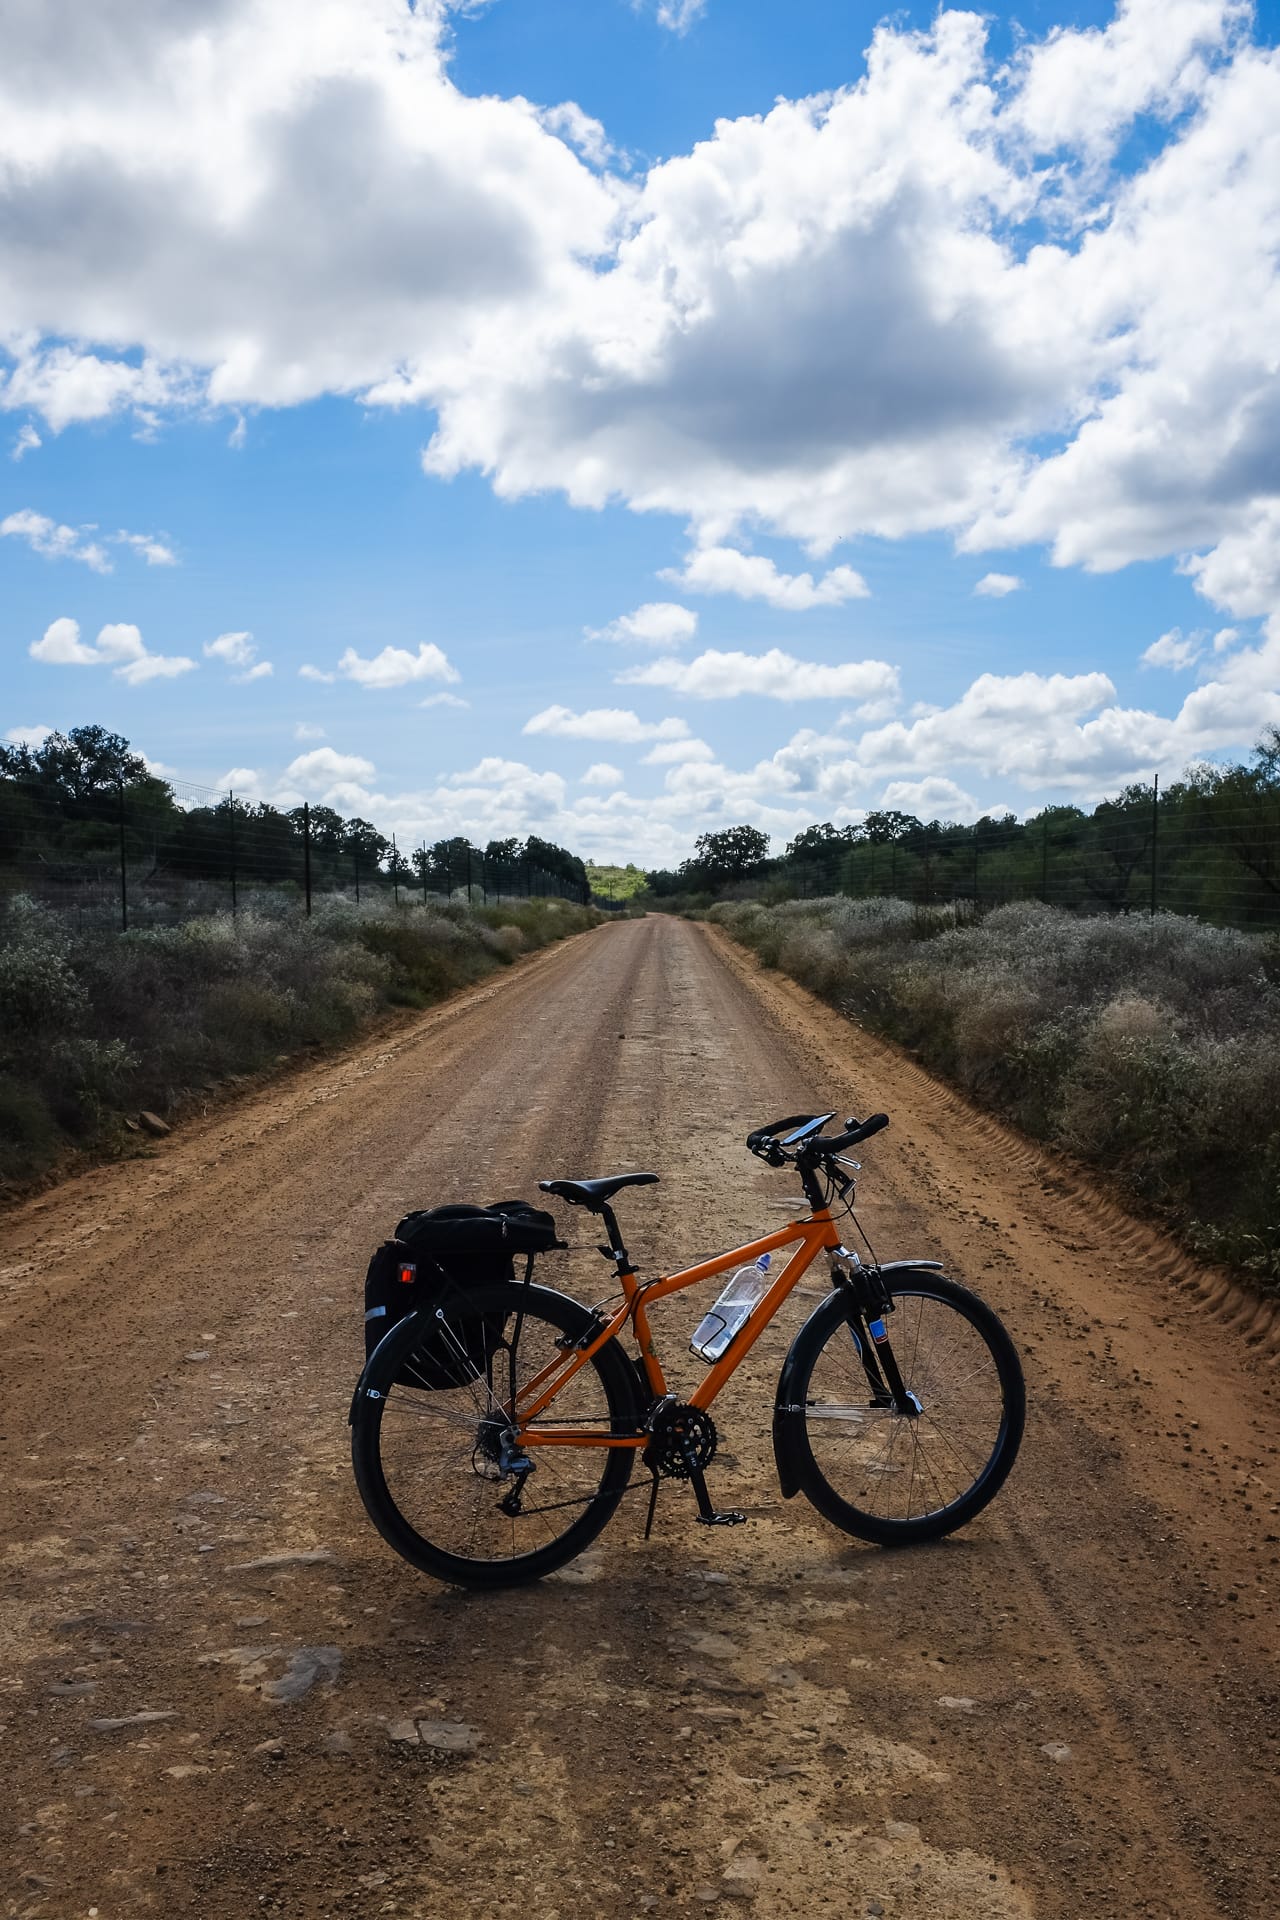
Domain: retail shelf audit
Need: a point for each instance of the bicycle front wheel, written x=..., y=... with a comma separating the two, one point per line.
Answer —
x=432, y=1442
x=893, y=1477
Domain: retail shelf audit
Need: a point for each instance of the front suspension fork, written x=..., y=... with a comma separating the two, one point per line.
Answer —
x=870, y=1335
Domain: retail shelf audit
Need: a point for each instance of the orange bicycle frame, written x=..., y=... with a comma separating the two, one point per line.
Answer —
x=810, y=1236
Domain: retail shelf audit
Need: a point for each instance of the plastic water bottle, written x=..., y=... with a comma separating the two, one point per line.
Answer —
x=746, y=1286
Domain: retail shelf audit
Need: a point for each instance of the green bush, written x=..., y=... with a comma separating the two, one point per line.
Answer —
x=94, y=1024
x=1149, y=1047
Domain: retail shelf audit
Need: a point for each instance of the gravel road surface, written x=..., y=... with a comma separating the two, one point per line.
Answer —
x=222, y=1694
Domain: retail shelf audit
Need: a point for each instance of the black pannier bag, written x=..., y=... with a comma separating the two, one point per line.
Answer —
x=438, y=1256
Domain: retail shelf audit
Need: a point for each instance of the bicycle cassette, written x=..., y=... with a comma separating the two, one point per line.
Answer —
x=681, y=1438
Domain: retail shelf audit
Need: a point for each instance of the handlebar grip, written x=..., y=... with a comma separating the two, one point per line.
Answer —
x=860, y=1130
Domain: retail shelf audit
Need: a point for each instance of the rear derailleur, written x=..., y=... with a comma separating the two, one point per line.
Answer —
x=498, y=1455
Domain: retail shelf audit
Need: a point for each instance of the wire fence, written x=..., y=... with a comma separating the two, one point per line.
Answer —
x=158, y=852
x=1218, y=862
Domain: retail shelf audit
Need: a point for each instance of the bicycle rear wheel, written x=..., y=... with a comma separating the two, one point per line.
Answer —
x=895, y=1478
x=434, y=1465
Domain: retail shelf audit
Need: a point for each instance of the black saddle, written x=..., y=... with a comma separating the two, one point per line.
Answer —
x=596, y=1194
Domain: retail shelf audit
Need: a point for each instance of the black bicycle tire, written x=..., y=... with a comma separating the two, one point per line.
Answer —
x=618, y=1381
x=813, y=1483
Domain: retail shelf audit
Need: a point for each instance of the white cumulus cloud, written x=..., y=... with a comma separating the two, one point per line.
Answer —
x=604, y=723
x=394, y=667
x=323, y=769
x=774, y=675
x=601, y=774
x=658, y=623
x=26, y=440
x=1174, y=649
x=935, y=798
x=1069, y=732
x=994, y=586
x=272, y=202
x=1025, y=301
x=45, y=536
x=239, y=650
x=118, y=645
x=674, y=753
x=679, y=15
x=55, y=542
x=156, y=552
x=233, y=649
x=751, y=576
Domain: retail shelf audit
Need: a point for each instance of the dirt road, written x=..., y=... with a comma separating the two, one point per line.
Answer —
x=207, y=1654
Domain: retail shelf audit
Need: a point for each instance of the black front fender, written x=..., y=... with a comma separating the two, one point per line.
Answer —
x=788, y=1412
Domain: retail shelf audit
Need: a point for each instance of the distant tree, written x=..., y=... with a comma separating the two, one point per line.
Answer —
x=85, y=762
x=1240, y=810
x=884, y=827
x=1118, y=845
x=328, y=830
x=731, y=854
x=361, y=839
x=823, y=842
x=449, y=863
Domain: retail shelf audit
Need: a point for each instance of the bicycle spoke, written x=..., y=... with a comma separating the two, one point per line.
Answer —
x=908, y=1468
x=441, y=1449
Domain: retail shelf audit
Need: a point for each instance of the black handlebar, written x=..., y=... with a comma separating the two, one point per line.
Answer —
x=764, y=1140
x=858, y=1130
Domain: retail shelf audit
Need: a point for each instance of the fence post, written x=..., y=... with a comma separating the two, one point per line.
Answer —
x=1155, y=831
x=355, y=855
x=424, y=873
x=395, y=870
x=306, y=852
x=231, y=800
x=124, y=883
x=975, y=866
x=1044, y=860
x=470, y=901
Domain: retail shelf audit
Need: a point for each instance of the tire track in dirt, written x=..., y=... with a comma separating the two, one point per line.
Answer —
x=1068, y=1709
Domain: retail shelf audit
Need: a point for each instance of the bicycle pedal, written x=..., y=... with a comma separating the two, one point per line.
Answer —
x=729, y=1518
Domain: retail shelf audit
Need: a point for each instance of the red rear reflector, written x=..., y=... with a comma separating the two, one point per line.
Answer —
x=406, y=1273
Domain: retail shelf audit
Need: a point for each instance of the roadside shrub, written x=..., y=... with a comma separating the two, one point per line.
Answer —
x=1149, y=1047
x=92, y=1025
x=39, y=991
x=812, y=955
x=28, y=1131
x=508, y=943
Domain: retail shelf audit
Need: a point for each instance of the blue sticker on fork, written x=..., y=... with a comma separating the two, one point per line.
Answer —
x=878, y=1331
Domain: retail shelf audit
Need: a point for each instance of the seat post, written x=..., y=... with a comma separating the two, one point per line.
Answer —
x=622, y=1258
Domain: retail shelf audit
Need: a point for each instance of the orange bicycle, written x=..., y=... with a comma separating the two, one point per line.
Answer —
x=899, y=1408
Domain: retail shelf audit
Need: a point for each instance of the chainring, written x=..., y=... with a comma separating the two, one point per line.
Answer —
x=678, y=1430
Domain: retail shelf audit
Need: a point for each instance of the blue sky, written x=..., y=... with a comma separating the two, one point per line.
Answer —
x=641, y=418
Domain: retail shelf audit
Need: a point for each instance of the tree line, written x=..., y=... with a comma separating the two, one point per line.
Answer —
x=1207, y=845
x=84, y=799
